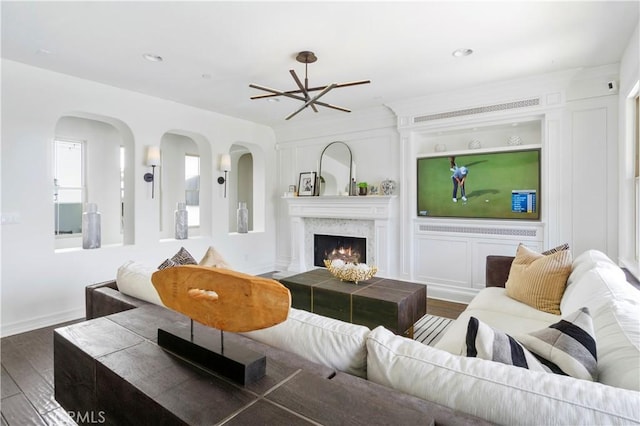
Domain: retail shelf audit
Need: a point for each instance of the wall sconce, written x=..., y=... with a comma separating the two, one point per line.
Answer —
x=152, y=159
x=225, y=166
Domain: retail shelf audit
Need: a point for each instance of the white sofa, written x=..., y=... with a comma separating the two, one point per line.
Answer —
x=496, y=392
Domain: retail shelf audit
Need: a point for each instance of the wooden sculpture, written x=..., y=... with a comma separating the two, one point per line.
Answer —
x=222, y=298
x=226, y=300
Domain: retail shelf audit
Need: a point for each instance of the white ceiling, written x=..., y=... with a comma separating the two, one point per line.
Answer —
x=404, y=48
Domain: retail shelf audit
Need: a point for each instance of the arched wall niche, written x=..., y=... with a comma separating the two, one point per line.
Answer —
x=103, y=138
x=175, y=144
x=247, y=183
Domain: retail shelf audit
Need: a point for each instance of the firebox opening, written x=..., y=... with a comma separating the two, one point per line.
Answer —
x=349, y=249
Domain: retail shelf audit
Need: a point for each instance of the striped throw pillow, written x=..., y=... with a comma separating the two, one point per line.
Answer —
x=538, y=280
x=486, y=342
x=567, y=347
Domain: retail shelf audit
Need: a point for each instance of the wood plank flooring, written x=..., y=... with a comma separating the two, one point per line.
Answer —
x=444, y=308
x=27, y=373
x=27, y=380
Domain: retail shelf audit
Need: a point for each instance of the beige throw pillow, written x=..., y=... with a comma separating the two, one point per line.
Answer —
x=538, y=280
x=214, y=259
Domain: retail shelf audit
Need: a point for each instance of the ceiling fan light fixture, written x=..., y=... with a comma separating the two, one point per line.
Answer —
x=302, y=93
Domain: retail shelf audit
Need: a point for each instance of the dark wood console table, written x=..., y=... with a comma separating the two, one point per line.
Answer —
x=397, y=305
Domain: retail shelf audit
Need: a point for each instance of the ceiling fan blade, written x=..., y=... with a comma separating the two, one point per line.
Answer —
x=275, y=92
x=351, y=83
x=302, y=88
x=339, y=108
x=311, y=101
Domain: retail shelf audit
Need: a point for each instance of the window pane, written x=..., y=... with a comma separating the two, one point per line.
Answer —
x=70, y=196
x=192, y=188
x=68, y=163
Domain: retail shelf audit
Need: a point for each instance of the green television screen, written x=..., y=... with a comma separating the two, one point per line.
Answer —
x=489, y=185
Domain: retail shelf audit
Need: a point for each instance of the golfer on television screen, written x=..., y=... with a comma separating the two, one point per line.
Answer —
x=458, y=178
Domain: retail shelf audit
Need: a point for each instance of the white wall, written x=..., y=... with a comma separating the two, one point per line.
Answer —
x=578, y=136
x=42, y=287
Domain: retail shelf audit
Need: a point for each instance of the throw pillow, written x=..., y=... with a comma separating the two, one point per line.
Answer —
x=567, y=347
x=561, y=247
x=134, y=279
x=485, y=342
x=182, y=257
x=538, y=280
x=214, y=259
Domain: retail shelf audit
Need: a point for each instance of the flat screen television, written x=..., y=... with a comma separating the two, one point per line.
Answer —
x=497, y=185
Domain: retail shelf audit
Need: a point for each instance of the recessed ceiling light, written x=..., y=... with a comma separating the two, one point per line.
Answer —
x=153, y=58
x=459, y=53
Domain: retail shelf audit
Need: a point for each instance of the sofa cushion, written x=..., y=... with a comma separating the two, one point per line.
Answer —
x=617, y=328
x=539, y=280
x=595, y=280
x=495, y=308
x=328, y=341
x=496, y=392
x=134, y=279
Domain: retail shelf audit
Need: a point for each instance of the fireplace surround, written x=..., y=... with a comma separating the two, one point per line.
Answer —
x=371, y=217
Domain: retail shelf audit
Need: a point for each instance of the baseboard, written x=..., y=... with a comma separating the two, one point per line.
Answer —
x=458, y=295
x=40, y=322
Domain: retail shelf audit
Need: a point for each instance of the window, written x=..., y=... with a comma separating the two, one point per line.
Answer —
x=192, y=188
x=637, y=173
x=122, y=157
x=68, y=181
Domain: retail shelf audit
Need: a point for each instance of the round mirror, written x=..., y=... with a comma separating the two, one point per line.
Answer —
x=335, y=172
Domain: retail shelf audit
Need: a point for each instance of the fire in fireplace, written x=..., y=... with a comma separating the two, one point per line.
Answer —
x=349, y=249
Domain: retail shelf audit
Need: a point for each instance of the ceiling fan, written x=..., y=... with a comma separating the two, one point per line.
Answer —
x=303, y=92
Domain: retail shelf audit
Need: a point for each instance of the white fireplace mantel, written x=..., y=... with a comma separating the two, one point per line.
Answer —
x=380, y=211
x=341, y=207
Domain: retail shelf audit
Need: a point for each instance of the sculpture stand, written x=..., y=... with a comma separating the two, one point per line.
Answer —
x=232, y=361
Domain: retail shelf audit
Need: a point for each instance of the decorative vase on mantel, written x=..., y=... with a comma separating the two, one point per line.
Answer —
x=243, y=218
x=388, y=186
x=91, y=227
x=182, y=222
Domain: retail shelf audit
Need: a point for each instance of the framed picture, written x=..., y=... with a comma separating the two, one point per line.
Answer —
x=307, y=184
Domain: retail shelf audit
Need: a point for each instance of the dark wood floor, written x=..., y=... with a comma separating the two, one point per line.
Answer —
x=27, y=380
x=443, y=308
x=27, y=373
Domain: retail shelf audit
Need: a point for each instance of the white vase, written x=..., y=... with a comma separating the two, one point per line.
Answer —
x=243, y=218
x=91, y=227
x=182, y=222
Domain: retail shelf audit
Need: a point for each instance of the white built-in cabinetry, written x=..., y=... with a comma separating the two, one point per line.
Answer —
x=449, y=254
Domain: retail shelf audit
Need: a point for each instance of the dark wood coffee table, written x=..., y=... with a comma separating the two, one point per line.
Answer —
x=397, y=305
